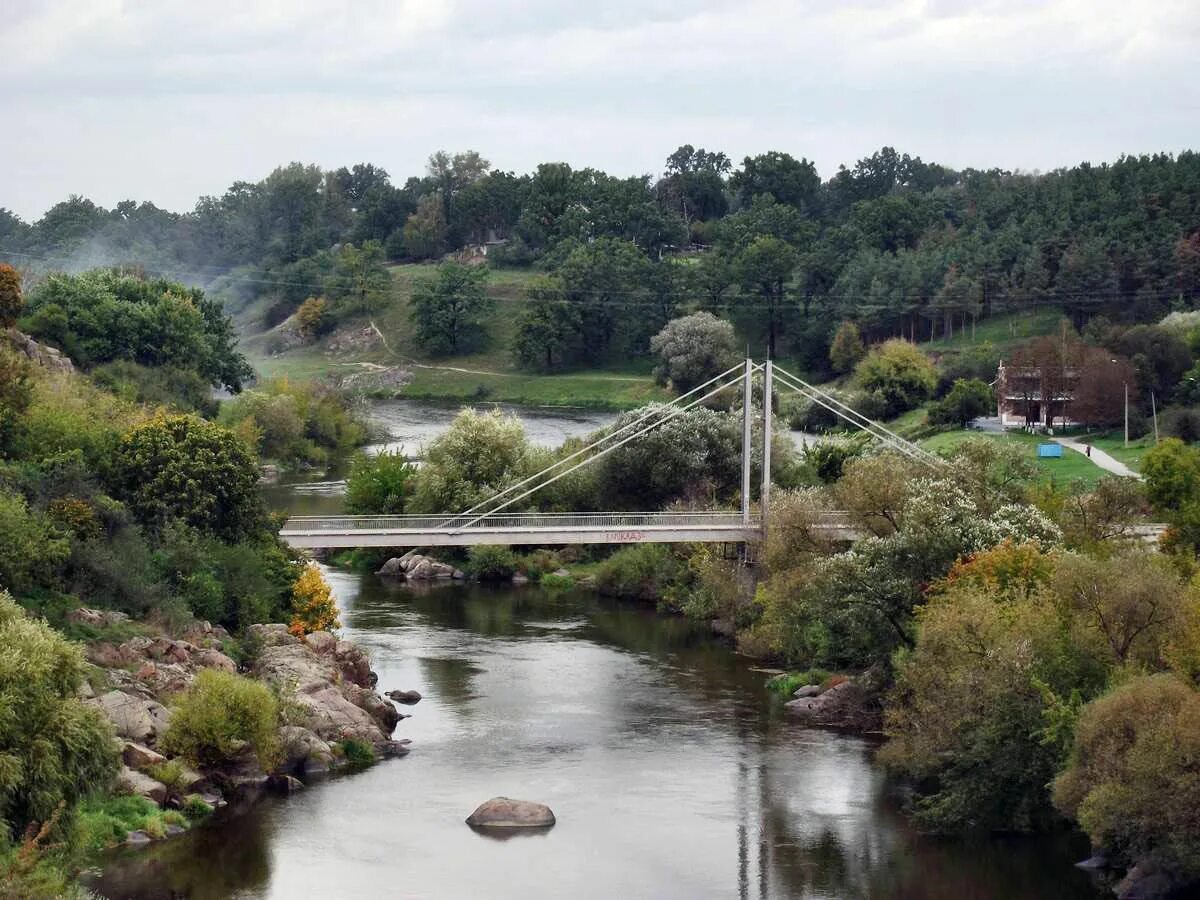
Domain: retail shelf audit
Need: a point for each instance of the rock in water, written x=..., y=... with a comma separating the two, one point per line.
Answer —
x=501, y=812
x=409, y=697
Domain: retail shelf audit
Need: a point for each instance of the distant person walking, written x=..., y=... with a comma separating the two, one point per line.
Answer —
x=1089, y=451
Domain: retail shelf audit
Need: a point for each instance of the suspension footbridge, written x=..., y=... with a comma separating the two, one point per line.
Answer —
x=493, y=522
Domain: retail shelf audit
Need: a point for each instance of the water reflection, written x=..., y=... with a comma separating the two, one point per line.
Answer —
x=670, y=770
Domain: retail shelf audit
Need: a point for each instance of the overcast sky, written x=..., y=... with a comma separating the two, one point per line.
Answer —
x=165, y=101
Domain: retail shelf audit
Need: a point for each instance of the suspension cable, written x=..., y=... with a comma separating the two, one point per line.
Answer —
x=676, y=411
x=856, y=418
x=596, y=443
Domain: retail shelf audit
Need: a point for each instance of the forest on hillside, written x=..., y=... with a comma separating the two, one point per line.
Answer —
x=898, y=245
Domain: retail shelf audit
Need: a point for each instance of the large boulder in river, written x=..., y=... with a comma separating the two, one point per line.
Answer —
x=503, y=812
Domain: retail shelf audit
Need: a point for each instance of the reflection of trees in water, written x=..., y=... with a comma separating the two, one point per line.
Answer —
x=215, y=861
x=876, y=853
x=454, y=679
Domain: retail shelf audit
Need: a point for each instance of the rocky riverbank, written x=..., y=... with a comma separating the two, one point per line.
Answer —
x=326, y=689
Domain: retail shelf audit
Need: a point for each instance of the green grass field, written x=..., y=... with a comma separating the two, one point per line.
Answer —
x=1002, y=331
x=1072, y=467
x=1113, y=443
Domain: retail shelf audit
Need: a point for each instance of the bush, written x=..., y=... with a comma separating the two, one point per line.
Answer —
x=16, y=395
x=32, y=551
x=1131, y=780
x=966, y=401
x=294, y=423
x=692, y=349
x=783, y=686
x=181, y=389
x=182, y=467
x=105, y=821
x=538, y=564
x=221, y=714
x=552, y=582
x=379, y=485
x=638, y=572
x=313, y=606
x=356, y=753
x=900, y=373
x=314, y=319
x=491, y=562
x=196, y=807
x=53, y=748
x=479, y=455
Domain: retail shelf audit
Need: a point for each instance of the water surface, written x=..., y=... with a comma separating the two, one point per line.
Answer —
x=671, y=771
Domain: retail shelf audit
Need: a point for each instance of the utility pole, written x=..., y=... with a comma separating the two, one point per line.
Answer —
x=746, y=403
x=764, y=494
x=1153, y=412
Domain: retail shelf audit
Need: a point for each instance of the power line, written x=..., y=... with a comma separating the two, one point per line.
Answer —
x=924, y=302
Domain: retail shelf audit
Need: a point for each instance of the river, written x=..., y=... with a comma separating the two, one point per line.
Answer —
x=672, y=771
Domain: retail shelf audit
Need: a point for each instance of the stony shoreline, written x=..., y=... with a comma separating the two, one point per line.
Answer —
x=325, y=685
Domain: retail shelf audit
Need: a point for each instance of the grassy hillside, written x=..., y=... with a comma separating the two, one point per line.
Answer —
x=486, y=375
x=1003, y=331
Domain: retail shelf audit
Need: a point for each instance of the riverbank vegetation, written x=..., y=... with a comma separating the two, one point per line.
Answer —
x=135, y=557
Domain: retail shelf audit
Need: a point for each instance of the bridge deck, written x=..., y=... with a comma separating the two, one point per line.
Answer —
x=334, y=532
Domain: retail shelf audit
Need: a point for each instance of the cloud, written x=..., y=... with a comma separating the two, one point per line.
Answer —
x=166, y=100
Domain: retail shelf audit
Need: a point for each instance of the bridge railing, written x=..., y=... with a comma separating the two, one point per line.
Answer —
x=531, y=521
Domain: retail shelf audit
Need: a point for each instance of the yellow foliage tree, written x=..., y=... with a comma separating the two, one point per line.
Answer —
x=313, y=608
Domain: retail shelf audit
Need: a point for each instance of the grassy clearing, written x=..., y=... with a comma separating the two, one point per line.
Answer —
x=488, y=374
x=1073, y=466
x=1002, y=331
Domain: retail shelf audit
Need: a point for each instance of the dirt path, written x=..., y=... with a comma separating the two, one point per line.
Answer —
x=1099, y=457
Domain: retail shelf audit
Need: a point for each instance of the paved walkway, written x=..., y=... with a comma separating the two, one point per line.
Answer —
x=1099, y=457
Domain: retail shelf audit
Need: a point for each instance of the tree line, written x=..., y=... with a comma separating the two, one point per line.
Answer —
x=898, y=245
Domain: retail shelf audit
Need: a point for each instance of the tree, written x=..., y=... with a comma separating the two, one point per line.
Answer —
x=313, y=318
x=765, y=267
x=1171, y=473
x=182, y=467
x=1131, y=778
x=106, y=314
x=478, y=456
x=607, y=281
x=969, y=712
x=425, y=229
x=968, y=400
x=788, y=180
x=548, y=329
x=1133, y=617
x=899, y=373
x=1100, y=387
x=11, y=301
x=696, y=454
x=360, y=282
x=692, y=349
x=447, y=311
x=847, y=348
x=53, y=747
x=380, y=484
x=16, y=394
x=313, y=606
x=33, y=549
